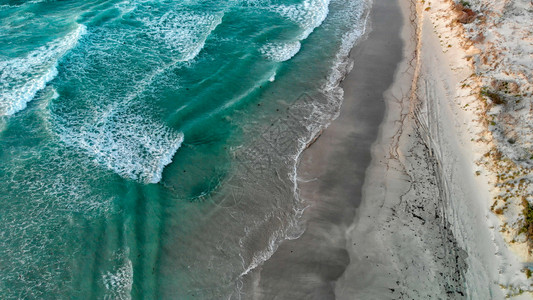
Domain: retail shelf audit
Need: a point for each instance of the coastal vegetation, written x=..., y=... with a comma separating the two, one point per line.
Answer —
x=493, y=96
x=501, y=86
x=527, y=226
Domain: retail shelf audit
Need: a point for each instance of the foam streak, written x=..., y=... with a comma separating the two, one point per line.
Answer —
x=22, y=78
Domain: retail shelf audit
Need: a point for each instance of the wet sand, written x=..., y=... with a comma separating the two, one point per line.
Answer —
x=332, y=170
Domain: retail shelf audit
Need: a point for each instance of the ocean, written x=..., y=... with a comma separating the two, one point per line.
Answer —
x=148, y=148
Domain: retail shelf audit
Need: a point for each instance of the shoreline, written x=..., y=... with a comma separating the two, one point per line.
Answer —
x=398, y=195
x=308, y=265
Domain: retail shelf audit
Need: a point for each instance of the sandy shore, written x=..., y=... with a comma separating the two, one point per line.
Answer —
x=424, y=228
x=397, y=207
x=332, y=170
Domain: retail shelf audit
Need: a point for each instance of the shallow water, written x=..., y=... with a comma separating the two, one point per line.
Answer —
x=148, y=148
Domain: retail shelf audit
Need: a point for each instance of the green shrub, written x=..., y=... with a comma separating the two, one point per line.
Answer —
x=494, y=97
x=527, y=227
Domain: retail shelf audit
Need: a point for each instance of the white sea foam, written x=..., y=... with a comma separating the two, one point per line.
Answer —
x=128, y=6
x=262, y=255
x=342, y=64
x=120, y=282
x=308, y=15
x=127, y=144
x=21, y=78
x=14, y=5
x=183, y=32
x=280, y=51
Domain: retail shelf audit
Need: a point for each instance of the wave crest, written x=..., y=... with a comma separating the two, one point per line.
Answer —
x=280, y=51
x=22, y=78
x=129, y=145
x=308, y=15
x=182, y=32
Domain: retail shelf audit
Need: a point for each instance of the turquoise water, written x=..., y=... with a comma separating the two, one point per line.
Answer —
x=147, y=148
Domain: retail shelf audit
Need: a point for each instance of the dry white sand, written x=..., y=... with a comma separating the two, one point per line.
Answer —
x=425, y=228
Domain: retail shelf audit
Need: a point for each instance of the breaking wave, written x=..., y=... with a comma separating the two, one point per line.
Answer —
x=308, y=15
x=21, y=78
x=120, y=282
x=182, y=32
x=127, y=144
x=280, y=51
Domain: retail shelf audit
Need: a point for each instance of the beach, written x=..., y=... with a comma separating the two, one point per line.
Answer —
x=332, y=170
x=397, y=208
